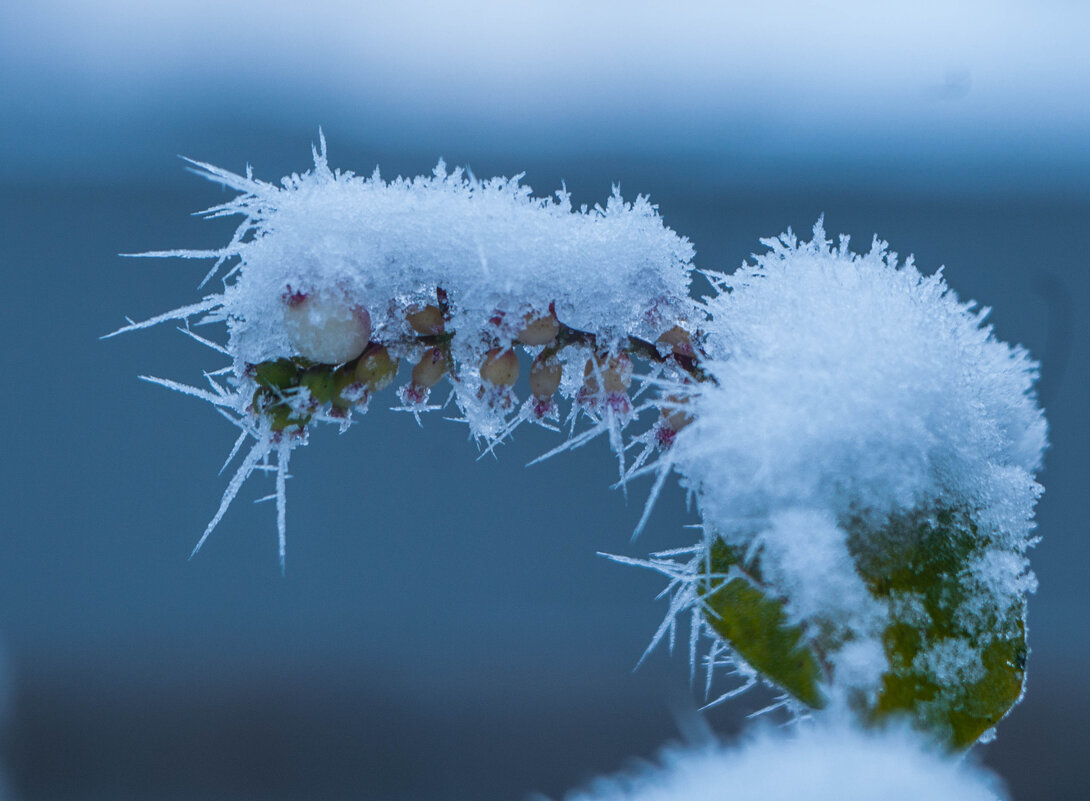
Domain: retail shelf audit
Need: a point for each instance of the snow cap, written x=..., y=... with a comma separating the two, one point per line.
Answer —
x=854, y=384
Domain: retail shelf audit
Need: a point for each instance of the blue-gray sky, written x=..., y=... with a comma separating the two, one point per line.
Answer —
x=994, y=90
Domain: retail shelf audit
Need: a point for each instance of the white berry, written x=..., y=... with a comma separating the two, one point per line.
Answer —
x=326, y=327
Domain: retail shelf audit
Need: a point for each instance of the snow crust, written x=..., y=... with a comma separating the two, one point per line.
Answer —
x=811, y=763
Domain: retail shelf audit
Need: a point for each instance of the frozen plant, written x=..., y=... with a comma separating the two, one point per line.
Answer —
x=861, y=448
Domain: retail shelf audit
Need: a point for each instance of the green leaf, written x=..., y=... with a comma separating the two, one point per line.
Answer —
x=756, y=626
x=956, y=653
x=321, y=383
x=282, y=417
x=926, y=560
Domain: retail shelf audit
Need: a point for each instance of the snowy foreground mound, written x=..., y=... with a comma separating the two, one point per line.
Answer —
x=861, y=447
x=824, y=763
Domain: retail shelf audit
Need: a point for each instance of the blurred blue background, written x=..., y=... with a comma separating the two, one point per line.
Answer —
x=445, y=628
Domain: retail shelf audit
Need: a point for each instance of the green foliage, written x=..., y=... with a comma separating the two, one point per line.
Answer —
x=755, y=624
x=321, y=383
x=956, y=654
x=277, y=375
x=926, y=560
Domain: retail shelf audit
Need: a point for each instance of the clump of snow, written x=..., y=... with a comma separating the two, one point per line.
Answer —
x=804, y=555
x=815, y=570
x=810, y=763
x=954, y=659
x=849, y=389
x=996, y=572
x=854, y=384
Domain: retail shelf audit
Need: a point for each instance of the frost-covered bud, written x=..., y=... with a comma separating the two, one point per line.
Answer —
x=675, y=417
x=674, y=413
x=677, y=341
x=539, y=330
x=615, y=371
x=431, y=367
x=501, y=367
x=347, y=388
x=427, y=321
x=326, y=327
x=545, y=374
x=321, y=383
x=375, y=368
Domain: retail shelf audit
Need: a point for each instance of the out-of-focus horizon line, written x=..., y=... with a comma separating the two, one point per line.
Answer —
x=978, y=95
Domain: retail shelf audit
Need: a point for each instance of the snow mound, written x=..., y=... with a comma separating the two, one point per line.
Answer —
x=812, y=763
